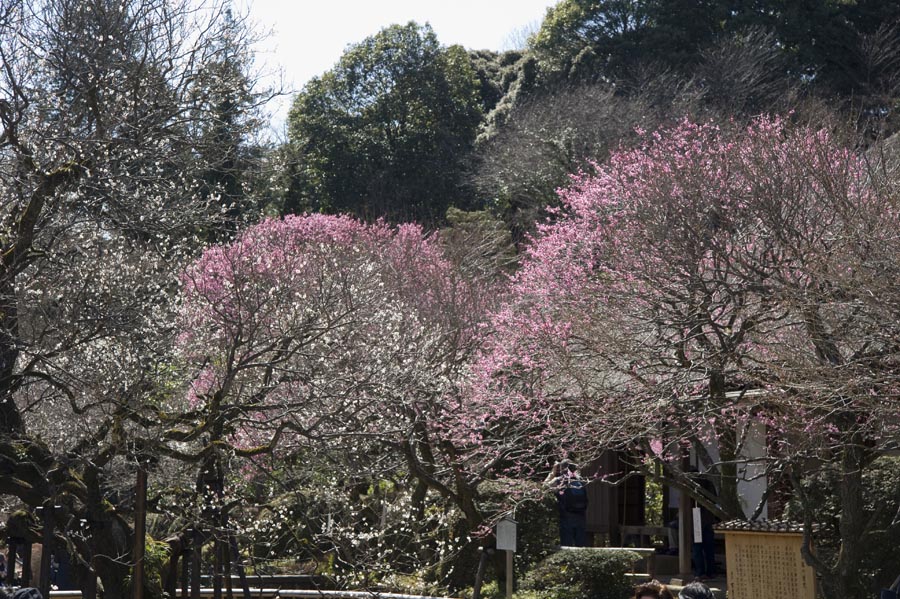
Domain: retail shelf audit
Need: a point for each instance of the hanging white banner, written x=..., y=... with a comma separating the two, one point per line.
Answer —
x=698, y=526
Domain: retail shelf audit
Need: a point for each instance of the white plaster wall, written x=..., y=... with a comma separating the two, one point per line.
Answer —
x=751, y=474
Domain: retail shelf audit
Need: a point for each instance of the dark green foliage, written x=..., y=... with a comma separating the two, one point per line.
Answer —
x=831, y=41
x=536, y=533
x=156, y=561
x=226, y=107
x=593, y=39
x=493, y=71
x=881, y=496
x=384, y=133
x=582, y=574
x=836, y=46
x=517, y=80
x=607, y=26
x=537, y=529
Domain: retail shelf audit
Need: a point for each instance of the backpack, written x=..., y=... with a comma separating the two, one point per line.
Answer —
x=574, y=497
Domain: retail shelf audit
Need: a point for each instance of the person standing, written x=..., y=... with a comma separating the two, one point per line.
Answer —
x=571, y=498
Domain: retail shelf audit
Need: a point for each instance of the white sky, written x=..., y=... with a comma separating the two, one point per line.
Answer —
x=309, y=36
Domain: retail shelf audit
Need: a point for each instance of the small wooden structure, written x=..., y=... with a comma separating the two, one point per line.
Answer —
x=611, y=507
x=763, y=560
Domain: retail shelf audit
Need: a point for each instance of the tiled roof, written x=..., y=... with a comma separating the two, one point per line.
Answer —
x=760, y=526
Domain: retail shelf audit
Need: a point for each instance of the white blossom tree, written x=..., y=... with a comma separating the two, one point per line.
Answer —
x=102, y=156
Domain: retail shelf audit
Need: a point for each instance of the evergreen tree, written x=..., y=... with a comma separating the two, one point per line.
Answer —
x=385, y=132
x=226, y=110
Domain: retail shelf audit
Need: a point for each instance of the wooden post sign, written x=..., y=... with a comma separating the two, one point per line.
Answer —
x=506, y=541
x=506, y=535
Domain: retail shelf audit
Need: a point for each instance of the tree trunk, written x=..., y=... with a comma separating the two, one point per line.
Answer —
x=726, y=485
x=111, y=541
x=10, y=418
x=843, y=580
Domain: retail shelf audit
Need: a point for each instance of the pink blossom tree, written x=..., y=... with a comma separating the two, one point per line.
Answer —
x=323, y=336
x=679, y=280
x=830, y=366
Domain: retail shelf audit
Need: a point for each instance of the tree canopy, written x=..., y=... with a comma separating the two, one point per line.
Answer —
x=704, y=281
x=322, y=337
x=385, y=132
x=844, y=46
x=104, y=150
x=612, y=252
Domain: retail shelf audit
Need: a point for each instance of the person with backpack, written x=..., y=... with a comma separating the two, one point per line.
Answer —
x=571, y=498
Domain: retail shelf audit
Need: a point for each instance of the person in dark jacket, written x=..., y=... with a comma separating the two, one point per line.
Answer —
x=571, y=498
